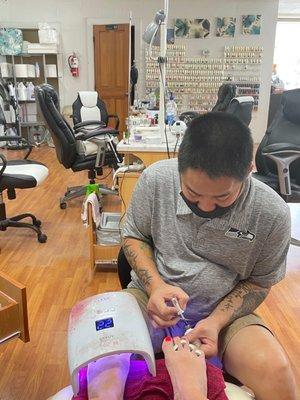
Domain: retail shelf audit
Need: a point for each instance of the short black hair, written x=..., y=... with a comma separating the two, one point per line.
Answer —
x=218, y=144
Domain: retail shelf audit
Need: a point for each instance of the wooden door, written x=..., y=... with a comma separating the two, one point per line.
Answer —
x=111, y=59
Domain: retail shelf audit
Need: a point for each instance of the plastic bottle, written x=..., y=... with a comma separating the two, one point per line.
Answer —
x=152, y=100
x=30, y=91
x=37, y=70
x=171, y=110
x=21, y=89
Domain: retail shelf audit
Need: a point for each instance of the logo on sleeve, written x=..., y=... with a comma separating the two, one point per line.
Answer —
x=236, y=234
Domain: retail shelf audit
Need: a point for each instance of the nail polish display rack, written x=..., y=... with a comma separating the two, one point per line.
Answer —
x=195, y=80
x=242, y=66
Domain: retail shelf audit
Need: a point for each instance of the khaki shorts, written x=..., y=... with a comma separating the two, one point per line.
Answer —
x=226, y=334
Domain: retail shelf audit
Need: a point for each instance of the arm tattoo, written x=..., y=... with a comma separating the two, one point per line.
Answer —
x=143, y=274
x=250, y=296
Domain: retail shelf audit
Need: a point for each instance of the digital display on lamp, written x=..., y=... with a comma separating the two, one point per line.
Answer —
x=104, y=324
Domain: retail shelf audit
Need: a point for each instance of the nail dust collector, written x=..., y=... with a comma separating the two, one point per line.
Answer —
x=106, y=324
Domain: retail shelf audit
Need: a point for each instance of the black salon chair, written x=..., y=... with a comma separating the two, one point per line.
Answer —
x=89, y=112
x=278, y=155
x=188, y=116
x=226, y=93
x=69, y=144
x=240, y=106
x=20, y=174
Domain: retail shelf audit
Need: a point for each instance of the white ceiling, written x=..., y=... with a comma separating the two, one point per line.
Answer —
x=289, y=7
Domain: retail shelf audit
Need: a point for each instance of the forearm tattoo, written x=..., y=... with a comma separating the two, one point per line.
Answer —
x=243, y=299
x=131, y=255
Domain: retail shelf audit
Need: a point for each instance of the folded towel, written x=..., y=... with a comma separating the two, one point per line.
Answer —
x=94, y=201
x=141, y=385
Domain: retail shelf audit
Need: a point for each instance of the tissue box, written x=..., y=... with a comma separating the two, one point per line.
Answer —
x=31, y=118
x=48, y=36
x=31, y=108
x=51, y=71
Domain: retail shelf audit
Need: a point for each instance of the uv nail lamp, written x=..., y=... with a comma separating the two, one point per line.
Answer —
x=106, y=324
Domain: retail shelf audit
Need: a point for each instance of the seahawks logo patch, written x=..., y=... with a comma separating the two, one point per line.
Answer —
x=236, y=234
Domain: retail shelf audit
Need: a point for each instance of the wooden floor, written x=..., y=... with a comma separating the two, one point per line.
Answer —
x=55, y=275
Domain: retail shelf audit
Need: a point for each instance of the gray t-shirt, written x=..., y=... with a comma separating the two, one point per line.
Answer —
x=208, y=257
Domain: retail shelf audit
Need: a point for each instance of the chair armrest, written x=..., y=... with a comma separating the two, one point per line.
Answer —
x=116, y=118
x=87, y=123
x=284, y=148
x=18, y=139
x=4, y=161
x=11, y=138
x=283, y=154
x=85, y=135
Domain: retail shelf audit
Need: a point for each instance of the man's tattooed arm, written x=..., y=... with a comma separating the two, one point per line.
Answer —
x=242, y=300
x=141, y=259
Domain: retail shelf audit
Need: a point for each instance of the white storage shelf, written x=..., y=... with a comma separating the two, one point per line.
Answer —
x=50, y=66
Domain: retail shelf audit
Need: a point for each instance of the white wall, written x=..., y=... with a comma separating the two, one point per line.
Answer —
x=75, y=18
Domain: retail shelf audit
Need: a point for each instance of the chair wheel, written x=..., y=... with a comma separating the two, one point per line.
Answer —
x=42, y=238
x=37, y=223
x=63, y=205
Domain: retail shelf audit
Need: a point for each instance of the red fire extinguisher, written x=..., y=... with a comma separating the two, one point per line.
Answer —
x=74, y=65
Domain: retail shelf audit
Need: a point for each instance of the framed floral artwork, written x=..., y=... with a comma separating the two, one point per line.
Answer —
x=198, y=28
x=226, y=26
x=251, y=24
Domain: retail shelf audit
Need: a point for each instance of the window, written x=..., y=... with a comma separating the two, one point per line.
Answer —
x=287, y=55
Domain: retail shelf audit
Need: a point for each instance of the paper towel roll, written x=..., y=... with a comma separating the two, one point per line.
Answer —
x=21, y=70
x=51, y=71
x=30, y=71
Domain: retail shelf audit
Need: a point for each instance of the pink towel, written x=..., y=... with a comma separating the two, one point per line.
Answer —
x=141, y=385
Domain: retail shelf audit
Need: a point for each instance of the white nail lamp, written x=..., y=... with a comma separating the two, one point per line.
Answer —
x=106, y=324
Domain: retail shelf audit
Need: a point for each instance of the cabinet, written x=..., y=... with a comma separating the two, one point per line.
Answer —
x=100, y=254
x=13, y=310
x=24, y=70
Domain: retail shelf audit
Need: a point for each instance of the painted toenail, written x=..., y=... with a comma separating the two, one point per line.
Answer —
x=198, y=353
x=168, y=339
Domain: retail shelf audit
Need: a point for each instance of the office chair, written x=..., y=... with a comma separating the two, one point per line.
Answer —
x=90, y=111
x=188, y=116
x=240, y=106
x=274, y=106
x=66, y=143
x=278, y=155
x=226, y=93
x=20, y=174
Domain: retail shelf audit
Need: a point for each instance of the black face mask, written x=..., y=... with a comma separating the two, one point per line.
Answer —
x=217, y=212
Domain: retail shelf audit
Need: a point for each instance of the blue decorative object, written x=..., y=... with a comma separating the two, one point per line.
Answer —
x=192, y=28
x=251, y=24
x=226, y=26
x=11, y=40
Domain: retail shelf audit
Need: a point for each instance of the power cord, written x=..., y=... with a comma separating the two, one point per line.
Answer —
x=177, y=140
x=106, y=176
x=160, y=61
x=123, y=202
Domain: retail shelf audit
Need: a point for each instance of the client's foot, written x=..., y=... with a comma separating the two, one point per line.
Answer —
x=187, y=369
x=107, y=376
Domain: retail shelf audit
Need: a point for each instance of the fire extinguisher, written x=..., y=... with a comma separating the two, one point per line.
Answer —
x=74, y=65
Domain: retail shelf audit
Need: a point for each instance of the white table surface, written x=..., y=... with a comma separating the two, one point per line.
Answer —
x=145, y=147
